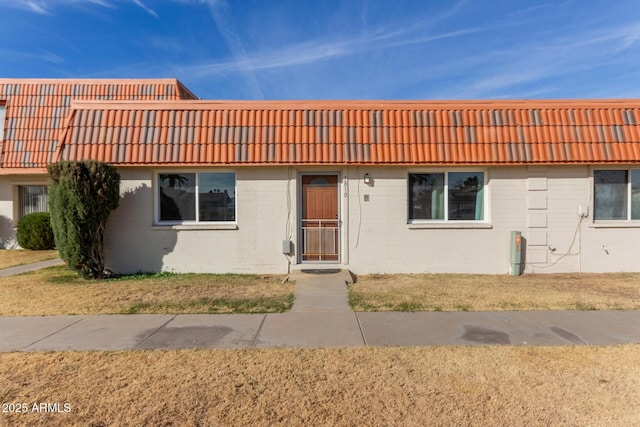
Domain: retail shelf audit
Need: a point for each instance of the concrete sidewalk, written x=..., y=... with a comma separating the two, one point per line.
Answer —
x=317, y=329
x=320, y=317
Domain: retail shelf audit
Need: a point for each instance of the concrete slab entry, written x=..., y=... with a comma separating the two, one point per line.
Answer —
x=321, y=303
x=17, y=333
x=103, y=332
x=316, y=286
x=321, y=270
x=310, y=329
x=328, y=271
x=320, y=293
x=206, y=331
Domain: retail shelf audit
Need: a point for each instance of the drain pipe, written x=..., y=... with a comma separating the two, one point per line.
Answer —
x=345, y=218
x=286, y=244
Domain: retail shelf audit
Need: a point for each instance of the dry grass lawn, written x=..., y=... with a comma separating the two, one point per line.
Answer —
x=515, y=386
x=475, y=292
x=58, y=290
x=12, y=258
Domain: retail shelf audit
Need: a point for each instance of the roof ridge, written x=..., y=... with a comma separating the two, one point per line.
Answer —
x=15, y=80
x=189, y=104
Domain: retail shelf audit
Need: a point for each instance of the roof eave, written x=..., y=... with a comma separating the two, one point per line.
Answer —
x=22, y=171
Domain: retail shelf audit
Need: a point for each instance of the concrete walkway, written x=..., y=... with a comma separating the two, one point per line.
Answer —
x=12, y=271
x=320, y=317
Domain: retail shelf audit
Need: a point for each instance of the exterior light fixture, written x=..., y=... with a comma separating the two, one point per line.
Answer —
x=367, y=178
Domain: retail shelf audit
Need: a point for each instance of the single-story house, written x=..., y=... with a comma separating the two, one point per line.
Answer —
x=372, y=186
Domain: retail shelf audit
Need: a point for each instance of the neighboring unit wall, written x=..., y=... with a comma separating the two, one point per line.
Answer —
x=607, y=250
x=7, y=231
x=555, y=195
x=563, y=237
x=609, y=246
x=9, y=205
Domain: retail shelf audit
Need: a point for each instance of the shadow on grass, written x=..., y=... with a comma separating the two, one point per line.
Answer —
x=62, y=275
x=65, y=275
x=140, y=276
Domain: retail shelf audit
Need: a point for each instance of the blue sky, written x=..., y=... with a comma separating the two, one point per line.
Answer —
x=356, y=49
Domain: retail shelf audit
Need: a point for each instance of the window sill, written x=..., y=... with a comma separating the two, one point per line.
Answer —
x=448, y=225
x=194, y=227
x=615, y=224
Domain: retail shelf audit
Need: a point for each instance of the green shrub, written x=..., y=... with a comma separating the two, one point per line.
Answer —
x=81, y=197
x=35, y=232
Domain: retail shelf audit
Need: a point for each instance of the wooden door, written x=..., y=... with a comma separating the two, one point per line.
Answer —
x=320, y=222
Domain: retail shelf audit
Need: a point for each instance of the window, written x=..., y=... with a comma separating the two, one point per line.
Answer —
x=197, y=197
x=616, y=194
x=32, y=198
x=452, y=196
x=2, y=116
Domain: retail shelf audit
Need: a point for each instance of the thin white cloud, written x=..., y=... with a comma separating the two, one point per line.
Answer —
x=145, y=8
x=103, y=3
x=433, y=37
x=547, y=60
x=52, y=57
x=45, y=7
x=622, y=37
x=46, y=56
x=628, y=37
x=322, y=50
x=528, y=10
x=196, y=2
x=39, y=7
x=396, y=30
x=224, y=22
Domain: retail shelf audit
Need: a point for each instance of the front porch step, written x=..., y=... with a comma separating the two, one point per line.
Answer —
x=299, y=271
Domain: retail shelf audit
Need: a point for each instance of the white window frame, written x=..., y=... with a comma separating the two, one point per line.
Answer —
x=628, y=219
x=3, y=115
x=17, y=198
x=446, y=222
x=192, y=223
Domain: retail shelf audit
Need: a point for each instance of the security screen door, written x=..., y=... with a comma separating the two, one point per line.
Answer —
x=319, y=219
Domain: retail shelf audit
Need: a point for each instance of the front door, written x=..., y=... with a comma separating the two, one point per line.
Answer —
x=319, y=219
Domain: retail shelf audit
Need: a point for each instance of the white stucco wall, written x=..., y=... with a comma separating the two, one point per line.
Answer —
x=575, y=244
x=7, y=231
x=133, y=243
x=541, y=202
x=387, y=244
x=609, y=247
x=8, y=203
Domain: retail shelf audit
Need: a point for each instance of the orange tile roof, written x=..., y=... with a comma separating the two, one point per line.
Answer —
x=36, y=110
x=353, y=132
